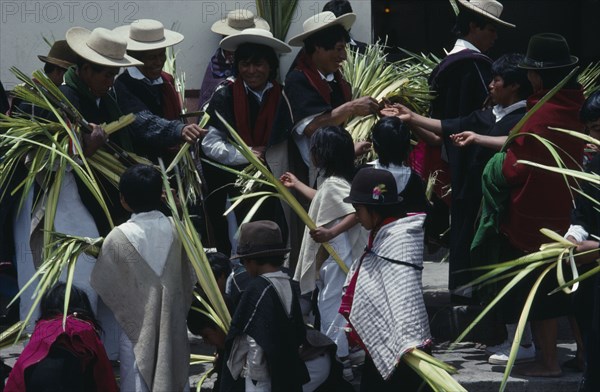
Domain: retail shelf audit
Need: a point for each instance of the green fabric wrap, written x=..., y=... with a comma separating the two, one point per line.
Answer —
x=485, y=248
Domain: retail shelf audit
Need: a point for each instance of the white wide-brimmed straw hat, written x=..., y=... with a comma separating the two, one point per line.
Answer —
x=238, y=20
x=254, y=36
x=491, y=9
x=319, y=22
x=100, y=46
x=148, y=34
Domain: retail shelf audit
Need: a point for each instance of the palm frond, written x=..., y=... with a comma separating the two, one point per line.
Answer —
x=62, y=253
x=538, y=105
x=433, y=371
x=11, y=335
x=194, y=249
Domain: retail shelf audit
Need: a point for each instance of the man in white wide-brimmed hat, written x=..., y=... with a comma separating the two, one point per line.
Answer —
x=101, y=54
x=220, y=66
x=254, y=104
x=150, y=93
x=318, y=93
x=460, y=83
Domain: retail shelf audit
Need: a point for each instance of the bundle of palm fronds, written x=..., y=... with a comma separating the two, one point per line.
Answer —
x=48, y=147
x=404, y=81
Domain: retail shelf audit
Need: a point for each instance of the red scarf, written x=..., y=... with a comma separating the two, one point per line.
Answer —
x=79, y=337
x=306, y=65
x=171, y=101
x=261, y=132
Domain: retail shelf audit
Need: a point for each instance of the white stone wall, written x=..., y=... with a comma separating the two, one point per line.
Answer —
x=24, y=23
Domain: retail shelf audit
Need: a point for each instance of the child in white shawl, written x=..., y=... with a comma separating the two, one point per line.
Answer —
x=332, y=152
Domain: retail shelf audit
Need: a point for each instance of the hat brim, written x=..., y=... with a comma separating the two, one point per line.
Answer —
x=484, y=13
x=232, y=42
x=528, y=63
x=350, y=200
x=170, y=38
x=77, y=37
x=221, y=26
x=346, y=20
x=58, y=62
x=262, y=253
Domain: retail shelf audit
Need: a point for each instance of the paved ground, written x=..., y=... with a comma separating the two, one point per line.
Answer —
x=475, y=374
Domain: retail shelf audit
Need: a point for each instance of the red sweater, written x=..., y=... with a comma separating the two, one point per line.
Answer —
x=540, y=198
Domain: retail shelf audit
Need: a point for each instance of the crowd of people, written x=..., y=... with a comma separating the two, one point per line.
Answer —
x=302, y=320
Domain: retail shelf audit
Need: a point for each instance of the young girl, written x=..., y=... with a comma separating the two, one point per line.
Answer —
x=332, y=152
x=70, y=358
x=391, y=142
x=384, y=299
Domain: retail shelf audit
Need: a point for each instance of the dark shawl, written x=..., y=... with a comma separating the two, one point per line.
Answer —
x=261, y=315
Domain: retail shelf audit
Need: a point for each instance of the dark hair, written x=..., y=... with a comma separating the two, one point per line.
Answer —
x=338, y=7
x=391, y=141
x=276, y=261
x=256, y=52
x=95, y=67
x=219, y=264
x=52, y=304
x=551, y=77
x=463, y=20
x=326, y=38
x=590, y=111
x=332, y=149
x=387, y=211
x=507, y=67
x=49, y=68
x=141, y=187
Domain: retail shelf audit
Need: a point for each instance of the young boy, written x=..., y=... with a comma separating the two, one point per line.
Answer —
x=267, y=327
x=143, y=277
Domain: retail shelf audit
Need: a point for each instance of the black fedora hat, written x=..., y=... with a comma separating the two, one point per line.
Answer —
x=374, y=187
x=547, y=51
x=260, y=239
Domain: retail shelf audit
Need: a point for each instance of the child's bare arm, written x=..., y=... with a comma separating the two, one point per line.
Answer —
x=291, y=181
x=323, y=234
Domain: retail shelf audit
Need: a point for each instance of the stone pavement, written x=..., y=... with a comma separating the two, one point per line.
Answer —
x=475, y=374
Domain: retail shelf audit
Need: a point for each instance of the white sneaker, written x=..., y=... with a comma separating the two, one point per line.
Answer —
x=525, y=354
x=504, y=346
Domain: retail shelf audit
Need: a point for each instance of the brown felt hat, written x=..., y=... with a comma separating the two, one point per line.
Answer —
x=373, y=187
x=548, y=51
x=60, y=55
x=260, y=239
